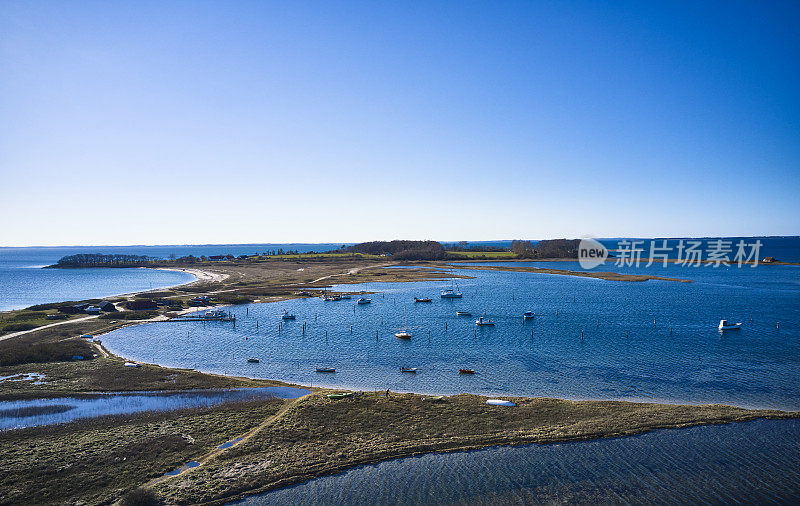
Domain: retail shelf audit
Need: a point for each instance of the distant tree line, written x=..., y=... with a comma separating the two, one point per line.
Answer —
x=550, y=248
x=465, y=246
x=401, y=250
x=99, y=260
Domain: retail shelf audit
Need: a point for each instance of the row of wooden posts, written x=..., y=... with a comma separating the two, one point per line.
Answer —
x=280, y=325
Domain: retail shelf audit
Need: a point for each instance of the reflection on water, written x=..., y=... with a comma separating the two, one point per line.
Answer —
x=745, y=463
x=27, y=411
x=652, y=341
x=34, y=412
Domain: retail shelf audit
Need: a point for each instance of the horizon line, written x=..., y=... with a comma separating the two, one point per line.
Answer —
x=772, y=236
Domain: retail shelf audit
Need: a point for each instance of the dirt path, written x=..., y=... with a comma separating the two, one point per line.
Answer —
x=354, y=270
x=247, y=436
x=23, y=332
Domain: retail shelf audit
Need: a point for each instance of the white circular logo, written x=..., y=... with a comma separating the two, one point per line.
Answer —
x=591, y=253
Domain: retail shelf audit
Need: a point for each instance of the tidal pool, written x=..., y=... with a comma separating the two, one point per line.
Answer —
x=35, y=412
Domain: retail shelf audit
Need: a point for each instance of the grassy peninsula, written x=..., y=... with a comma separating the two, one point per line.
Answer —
x=103, y=460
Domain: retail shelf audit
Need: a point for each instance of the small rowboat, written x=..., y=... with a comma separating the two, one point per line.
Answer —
x=340, y=395
x=409, y=369
x=463, y=313
x=252, y=360
x=326, y=369
x=466, y=371
x=364, y=301
x=527, y=315
x=403, y=335
x=417, y=299
x=484, y=322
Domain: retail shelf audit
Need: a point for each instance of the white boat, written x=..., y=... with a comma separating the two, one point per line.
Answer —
x=343, y=297
x=364, y=301
x=527, y=314
x=412, y=370
x=500, y=402
x=484, y=322
x=216, y=314
x=726, y=325
x=403, y=334
x=326, y=369
x=451, y=294
x=463, y=313
x=287, y=315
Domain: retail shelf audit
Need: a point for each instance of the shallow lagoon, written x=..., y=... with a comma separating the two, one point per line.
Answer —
x=745, y=463
x=35, y=412
x=652, y=341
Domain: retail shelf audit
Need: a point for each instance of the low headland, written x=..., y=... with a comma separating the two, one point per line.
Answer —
x=274, y=442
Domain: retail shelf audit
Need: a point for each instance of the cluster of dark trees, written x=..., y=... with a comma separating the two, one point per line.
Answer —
x=99, y=260
x=465, y=246
x=401, y=250
x=550, y=248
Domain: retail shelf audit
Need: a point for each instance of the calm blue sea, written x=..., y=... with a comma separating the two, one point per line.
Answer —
x=590, y=339
x=24, y=283
x=745, y=463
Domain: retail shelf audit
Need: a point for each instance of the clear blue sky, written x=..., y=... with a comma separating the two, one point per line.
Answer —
x=223, y=122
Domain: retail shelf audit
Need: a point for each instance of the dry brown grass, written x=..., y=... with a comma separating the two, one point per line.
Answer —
x=99, y=461
x=317, y=436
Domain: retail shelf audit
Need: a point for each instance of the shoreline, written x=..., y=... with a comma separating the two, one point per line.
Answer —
x=352, y=388
x=200, y=276
x=209, y=276
x=301, y=479
x=281, y=443
x=219, y=277
x=210, y=482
